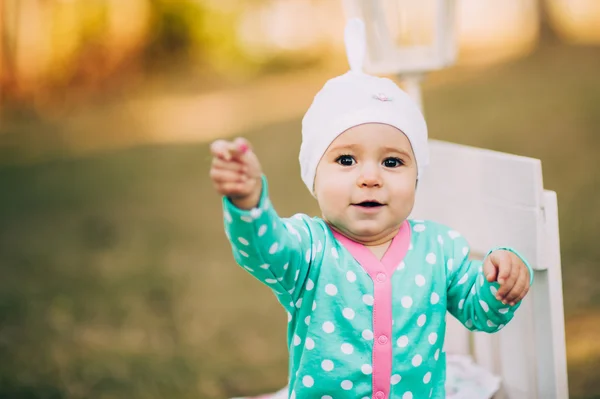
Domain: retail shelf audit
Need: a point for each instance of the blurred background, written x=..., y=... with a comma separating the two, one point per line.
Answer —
x=116, y=280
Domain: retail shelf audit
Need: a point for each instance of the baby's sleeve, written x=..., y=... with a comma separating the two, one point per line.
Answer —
x=278, y=252
x=471, y=298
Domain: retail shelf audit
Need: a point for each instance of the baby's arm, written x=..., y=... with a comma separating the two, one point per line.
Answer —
x=276, y=251
x=476, y=300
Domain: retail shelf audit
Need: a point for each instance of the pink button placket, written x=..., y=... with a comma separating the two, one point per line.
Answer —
x=381, y=272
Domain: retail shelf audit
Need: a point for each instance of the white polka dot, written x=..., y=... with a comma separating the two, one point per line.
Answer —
x=407, y=395
x=307, y=320
x=431, y=258
x=484, y=306
x=501, y=326
x=410, y=246
x=297, y=340
x=314, y=306
x=421, y=320
x=367, y=335
x=299, y=303
x=327, y=365
x=406, y=302
x=417, y=360
x=285, y=266
x=453, y=234
x=463, y=279
x=491, y=324
x=265, y=266
x=328, y=327
x=436, y=355
x=461, y=303
x=307, y=256
x=419, y=228
x=402, y=341
x=450, y=264
x=243, y=241
x=465, y=251
x=319, y=246
x=255, y=213
x=481, y=280
x=326, y=397
x=368, y=300
x=347, y=349
x=331, y=289
x=435, y=298
x=473, y=290
x=440, y=240
x=469, y=323
x=293, y=395
x=262, y=230
x=273, y=248
x=432, y=338
x=493, y=290
x=420, y=280
x=309, y=285
x=227, y=217
x=350, y=276
x=395, y=379
x=270, y=281
x=244, y=254
x=401, y=265
x=289, y=316
x=366, y=369
x=348, y=313
x=334, y=253
x=427, y=377
x=308, y=381
x=309, y=344
x=503, y=310
x=346, y=385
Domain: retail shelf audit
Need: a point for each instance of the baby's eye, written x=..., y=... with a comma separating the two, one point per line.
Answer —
x=346, y=160
x=392, y=162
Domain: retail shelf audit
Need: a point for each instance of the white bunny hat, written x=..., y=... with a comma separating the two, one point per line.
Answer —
x=356, y=98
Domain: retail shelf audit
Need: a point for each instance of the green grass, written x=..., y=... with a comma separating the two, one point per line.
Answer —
x=117, y=280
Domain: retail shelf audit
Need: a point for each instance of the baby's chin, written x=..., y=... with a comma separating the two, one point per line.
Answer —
x=367, y=232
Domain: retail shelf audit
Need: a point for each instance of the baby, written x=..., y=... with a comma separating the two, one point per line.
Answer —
x=365, y=288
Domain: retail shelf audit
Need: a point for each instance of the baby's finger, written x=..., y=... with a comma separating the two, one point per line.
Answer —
x=226, y=176
x=230, y=189
x=241, y=146
x=218, y=163
x=509, y=283
x=518, y=289
x=489, y=270
x=222, y=149
x=503, y=263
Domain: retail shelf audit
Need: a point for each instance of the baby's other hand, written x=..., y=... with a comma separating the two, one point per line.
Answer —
x=510, y=272
x=236, y=173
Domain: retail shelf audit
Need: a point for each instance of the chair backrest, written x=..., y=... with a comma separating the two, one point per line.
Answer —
x=498, y=199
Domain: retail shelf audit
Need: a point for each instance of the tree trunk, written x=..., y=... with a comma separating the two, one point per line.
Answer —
x=547, y=33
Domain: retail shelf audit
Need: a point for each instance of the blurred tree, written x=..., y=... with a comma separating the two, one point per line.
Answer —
x=547, y=32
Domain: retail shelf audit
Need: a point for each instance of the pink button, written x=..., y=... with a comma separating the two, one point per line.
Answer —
x=382, y=339
x=380, y=395
x=381, y=277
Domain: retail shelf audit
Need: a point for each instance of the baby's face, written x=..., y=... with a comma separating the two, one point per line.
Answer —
x=365, y=183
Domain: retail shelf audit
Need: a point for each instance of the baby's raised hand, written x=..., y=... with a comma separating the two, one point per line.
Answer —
x=510, y=272
x=236, y=173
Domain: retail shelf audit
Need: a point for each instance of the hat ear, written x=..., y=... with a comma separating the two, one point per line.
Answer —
x=355, y=41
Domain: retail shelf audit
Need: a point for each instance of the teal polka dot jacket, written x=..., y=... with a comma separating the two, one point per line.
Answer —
x=360, y=327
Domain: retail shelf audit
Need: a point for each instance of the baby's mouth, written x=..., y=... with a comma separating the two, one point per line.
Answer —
x=369, y=204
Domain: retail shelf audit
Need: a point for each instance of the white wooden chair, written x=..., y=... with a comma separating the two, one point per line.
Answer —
x=493, y=199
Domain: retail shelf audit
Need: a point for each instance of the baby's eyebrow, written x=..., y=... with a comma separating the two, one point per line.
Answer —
x=398, y=150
